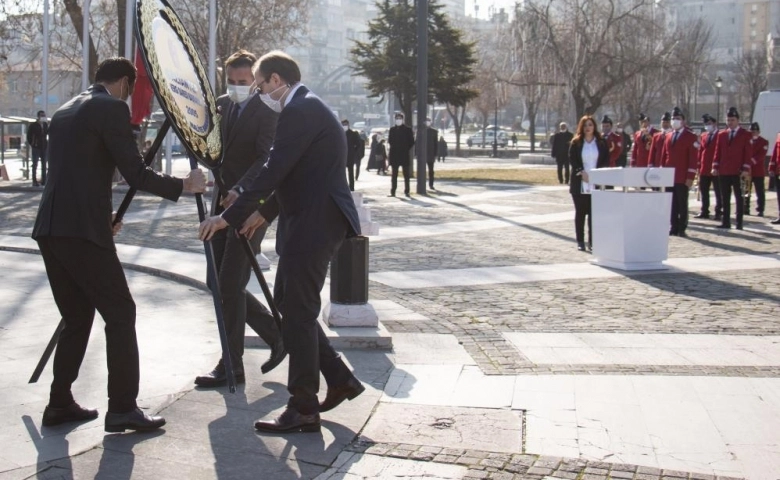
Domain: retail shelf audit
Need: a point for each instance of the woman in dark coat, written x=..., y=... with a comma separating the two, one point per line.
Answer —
x=587, y=151
x=371, y=157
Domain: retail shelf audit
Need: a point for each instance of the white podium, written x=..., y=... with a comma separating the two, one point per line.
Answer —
x=631, y=226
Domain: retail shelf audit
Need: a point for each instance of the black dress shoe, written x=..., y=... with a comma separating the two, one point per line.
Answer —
x=218, y=378
x=682, y=234
x=718, y=216
x=776, y=221
x=702, y=215
x=672, y=233
x=581, y=246
x=338, y=394
x=739, y=227
x=760, y=214
x=391, y=195
x=72, y=413
x=290, y=421
x=133, y=420
x=723, y=225
x=407, y=195
x=277, y=355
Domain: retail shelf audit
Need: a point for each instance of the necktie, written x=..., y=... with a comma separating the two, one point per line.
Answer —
x=731, y=136
x=674, y=138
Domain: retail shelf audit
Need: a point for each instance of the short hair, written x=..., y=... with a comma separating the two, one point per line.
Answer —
x=41, y=112
x=344, y=120
x=279, y=63
x=113, y=69
x=241, y=59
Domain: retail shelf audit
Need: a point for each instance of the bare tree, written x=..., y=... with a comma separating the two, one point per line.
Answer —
x=751, y=74
x=246, y=24
x=689, y=59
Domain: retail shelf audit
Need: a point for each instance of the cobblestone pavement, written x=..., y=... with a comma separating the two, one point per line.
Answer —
x=505, y=466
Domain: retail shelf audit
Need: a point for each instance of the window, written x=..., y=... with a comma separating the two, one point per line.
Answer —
x=12, y=86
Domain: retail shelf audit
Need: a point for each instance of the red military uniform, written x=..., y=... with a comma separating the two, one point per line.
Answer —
x=681, y=154
x=760, y=150
x=774, y=163
x=615, y=145
x=640, y=152
x=656, y=146
x=733, y=156
x=707, y=152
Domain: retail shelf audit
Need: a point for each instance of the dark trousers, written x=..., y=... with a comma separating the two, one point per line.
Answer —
x=299, y=280
x=729, y=183
x=394, y=179
x=758, y=186
x=38, y=154
x=563, y=165
x=240, y=307
x=705, y=182
x=581, y=210
x=357, y=169
x=351, y=176
x=85, y=277
x=430, y=172
x=679, y=220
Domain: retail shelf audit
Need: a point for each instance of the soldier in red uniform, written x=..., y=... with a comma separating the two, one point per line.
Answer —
x=680, y=151
x=774, y=171
x=758, y=170
x=640, y=152
x=706, y=179
x=733, y=154
x=614, y=141
x=658, y=140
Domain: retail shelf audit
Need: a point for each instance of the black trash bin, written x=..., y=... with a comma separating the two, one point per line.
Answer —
x=349, y=272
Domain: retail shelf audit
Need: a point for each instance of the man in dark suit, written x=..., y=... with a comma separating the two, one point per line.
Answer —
x=90, y=136
x=432, y=147
x=247, y=131
x=560, y=151
x=305, y=173
x=354, y=147
x=401, y=140
x=37, y=140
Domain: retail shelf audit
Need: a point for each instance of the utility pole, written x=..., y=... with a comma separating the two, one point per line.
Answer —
x=422, y=93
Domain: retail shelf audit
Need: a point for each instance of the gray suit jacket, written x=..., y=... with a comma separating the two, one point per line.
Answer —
x=246, y=147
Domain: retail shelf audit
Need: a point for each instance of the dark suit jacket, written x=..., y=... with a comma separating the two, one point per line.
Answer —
x=88, y=137
x=431, y=144
x=37, y=134
x=305, y=171
x=401, y=140
x=560, y=145
x=353, y=146
x=575, y=156
x=246, y=147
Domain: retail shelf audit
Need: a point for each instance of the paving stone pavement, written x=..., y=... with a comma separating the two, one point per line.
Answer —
x=729, y=302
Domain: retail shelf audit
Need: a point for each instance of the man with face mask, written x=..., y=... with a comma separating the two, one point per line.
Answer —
x=614, y=141
x=681, y=152
x=90, y=136
x=733, y=154
x=758, y=170
x=354, y=147
x=302, y=182
x=248, y=128
x=37, y=140
x=401, y=140
x=706, y=179
x=658, y=140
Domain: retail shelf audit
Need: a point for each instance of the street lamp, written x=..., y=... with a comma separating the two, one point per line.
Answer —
x=495, y=126
x=718, y=86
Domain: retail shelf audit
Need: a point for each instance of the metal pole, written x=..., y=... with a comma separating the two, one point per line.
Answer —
x=45, y=60
x=717, y=109
x=85, y=45
x=495, y=128
x=213, y=43
x=422, y=93
x=129, y=14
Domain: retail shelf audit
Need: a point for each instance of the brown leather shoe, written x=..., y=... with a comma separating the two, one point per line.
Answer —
x=72, y=413
x=290, y=421
x=218, y=377
x=338, y=394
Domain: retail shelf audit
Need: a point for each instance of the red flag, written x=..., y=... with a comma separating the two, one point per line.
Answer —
x=143, y=93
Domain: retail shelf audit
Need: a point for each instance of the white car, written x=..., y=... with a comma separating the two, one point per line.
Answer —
x=477, y=138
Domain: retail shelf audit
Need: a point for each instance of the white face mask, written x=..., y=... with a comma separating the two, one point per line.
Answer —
x=399, y=122
x=676, y=124
x=346, y=127
x=238, y=93
x=427, y=124
x=619, y=130
x=274, y=105
x=709, y=128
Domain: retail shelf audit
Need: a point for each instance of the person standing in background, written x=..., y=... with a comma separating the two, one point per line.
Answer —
x=38, y=140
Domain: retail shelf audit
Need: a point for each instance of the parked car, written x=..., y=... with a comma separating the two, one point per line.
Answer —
x=477, y=138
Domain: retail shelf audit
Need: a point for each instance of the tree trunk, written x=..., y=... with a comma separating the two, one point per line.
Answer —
x=77, y=19
x=458, y=123
x=532, y=106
